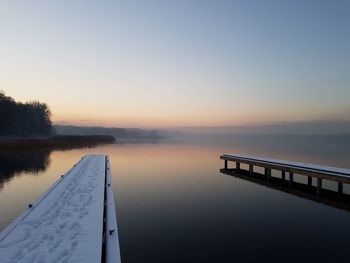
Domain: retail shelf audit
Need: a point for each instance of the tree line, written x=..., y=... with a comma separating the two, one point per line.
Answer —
x=24, y=119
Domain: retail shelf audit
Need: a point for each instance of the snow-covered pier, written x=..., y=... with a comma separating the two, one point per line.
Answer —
x=319, y=172
x=74, y=221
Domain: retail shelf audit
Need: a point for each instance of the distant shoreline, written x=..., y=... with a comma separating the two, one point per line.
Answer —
x=55, y=142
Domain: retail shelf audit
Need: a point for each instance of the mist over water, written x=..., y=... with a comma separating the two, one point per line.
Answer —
x=174, y=205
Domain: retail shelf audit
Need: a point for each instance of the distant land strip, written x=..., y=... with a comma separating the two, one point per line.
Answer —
x=114, y=131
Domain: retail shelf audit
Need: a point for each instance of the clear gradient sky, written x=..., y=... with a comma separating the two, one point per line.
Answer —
x=178, y=63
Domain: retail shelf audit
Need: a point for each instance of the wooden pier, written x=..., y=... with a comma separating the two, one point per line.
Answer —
x=313, y=172
x=74, y=221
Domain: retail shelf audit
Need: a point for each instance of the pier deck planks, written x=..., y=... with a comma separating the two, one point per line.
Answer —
x=66, y=223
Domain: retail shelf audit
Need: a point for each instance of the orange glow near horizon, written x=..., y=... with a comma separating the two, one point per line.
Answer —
x=110, y=111
x=154, y=123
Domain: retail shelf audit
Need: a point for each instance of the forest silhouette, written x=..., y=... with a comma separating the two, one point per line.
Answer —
x=24, y=119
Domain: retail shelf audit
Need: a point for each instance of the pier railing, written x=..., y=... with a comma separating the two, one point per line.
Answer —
x=319, y=172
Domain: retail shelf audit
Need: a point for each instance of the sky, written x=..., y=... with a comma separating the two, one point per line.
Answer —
x=178, y=63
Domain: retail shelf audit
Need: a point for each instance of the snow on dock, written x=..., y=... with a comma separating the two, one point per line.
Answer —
x=67, y=223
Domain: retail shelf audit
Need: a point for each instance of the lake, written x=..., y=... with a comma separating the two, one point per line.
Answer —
x=174, y=205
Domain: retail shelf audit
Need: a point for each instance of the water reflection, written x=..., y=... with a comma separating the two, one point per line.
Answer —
x=15, y=162
x=327, y=196
x=170, y=197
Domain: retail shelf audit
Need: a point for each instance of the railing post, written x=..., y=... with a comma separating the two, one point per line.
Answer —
x=290, y=179
x=319, y=185
x=251, y=169
x=340, y=187
x=238, y=166
x=309, y=181
x=283, y=175
x=225, y=164
x=268, y=173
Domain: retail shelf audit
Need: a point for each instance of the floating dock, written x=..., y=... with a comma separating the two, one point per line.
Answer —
x=312, y=171
x=74, y=221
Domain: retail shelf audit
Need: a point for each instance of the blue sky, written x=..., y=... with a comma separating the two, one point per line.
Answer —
x=178, y=63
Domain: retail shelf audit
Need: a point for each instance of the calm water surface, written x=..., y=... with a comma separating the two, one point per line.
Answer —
x=173, y=204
